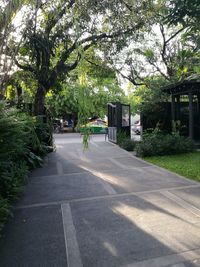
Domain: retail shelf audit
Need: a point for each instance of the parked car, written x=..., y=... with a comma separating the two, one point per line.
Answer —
x=136, y=127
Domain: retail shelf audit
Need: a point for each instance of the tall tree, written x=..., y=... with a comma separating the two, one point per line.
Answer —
x=62, y=31
x=171, y=51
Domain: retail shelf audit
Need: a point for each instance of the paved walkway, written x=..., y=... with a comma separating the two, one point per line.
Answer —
x=103, y=208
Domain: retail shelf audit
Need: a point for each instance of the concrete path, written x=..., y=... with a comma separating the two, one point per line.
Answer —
x=103, y=208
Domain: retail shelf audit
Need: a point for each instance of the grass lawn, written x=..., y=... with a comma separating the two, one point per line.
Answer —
x=187, y=165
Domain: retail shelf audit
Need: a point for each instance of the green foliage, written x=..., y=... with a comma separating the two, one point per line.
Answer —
x=58, y=34
x=44, y=133
x=149, y=54
x=23, y=142
x=26, y=82
x=4, y=211
x=170, y=50
x=63, y=101
x=88, y=90
x=86, y=137
x=147, y=99
x=86, y=93
x=124, y=142
x=183, y=164
x=183, y=11
x=121, y=136
x=157, y=143
x=128, y=144
x=176, y=127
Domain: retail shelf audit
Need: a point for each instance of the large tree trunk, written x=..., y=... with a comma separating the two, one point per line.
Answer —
x=19, y=95
x=39, y=105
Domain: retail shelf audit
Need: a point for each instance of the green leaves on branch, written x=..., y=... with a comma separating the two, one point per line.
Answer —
x=149, y=54
x=183, y=11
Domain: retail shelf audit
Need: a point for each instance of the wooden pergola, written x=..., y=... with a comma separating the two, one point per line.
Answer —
x=189, y=87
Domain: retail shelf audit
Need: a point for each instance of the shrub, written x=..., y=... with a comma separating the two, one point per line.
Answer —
x=24, y=141
x=128, y=144
x=4, y=211
x=157, y=143
x=124, y=142
x=121, y=136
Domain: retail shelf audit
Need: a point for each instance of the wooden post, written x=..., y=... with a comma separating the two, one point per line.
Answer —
x=198, y=105
x=173, y=108
x=198, y=112
x=178, y=107
x=191, y=116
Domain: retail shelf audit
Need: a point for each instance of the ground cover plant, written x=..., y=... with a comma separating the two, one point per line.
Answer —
x=187, y=165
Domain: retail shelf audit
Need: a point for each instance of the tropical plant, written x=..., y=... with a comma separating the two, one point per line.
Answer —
x=23, y=144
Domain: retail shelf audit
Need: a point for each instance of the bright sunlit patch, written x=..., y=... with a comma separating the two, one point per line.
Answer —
x=110, y=248
x=131, y=213
x=113, y=180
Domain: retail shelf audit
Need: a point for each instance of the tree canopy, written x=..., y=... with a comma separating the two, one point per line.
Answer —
x=60, y=32
x=62, y=49
x=87, y=91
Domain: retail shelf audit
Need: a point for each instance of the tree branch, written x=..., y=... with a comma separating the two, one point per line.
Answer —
x=127, y=5
x=92, y=63
x=164, y=43
x=52, y=22
x=174, y=35
x=23, y=67
x=163, y=51
x=159, y=70
x=92, y=40
x=130, y=78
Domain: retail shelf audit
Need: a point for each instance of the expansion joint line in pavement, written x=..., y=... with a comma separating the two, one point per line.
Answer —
x=194, y=210
x=173, y=260
x=108, y=196
x=72, y=249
